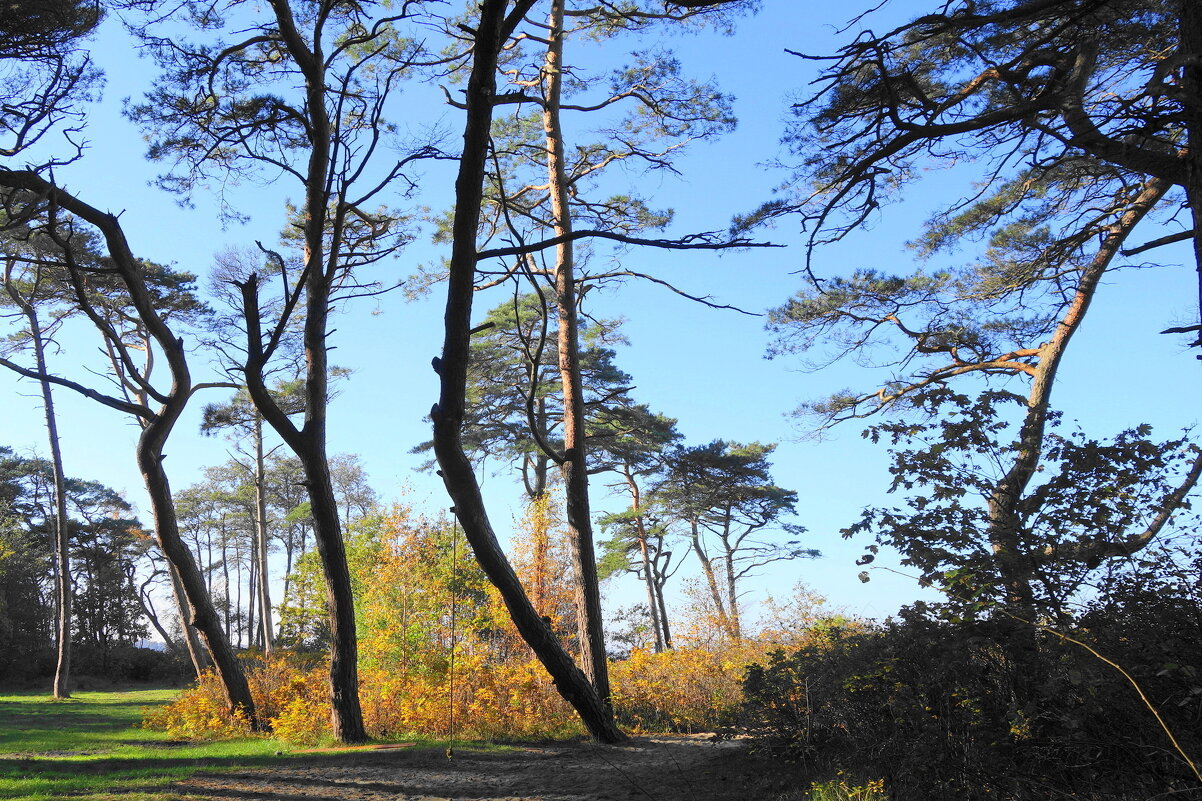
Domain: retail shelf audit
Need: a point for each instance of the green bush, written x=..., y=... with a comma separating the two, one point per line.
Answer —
x=941, y=710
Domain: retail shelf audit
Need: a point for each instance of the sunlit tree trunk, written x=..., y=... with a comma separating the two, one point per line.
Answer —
x=196, y=652
x=61, y=525
x=653, y=605
x=574, y=465
x=62, y=557
x=711, y=582
x=157, y=423
x=261, y=539
x=1016, y=567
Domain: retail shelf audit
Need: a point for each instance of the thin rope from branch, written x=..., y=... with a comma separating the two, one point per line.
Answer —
x=451, y=665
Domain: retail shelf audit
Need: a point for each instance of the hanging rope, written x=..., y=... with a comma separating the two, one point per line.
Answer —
x=451, y=666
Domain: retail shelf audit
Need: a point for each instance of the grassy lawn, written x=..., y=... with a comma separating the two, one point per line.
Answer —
x=91, y=747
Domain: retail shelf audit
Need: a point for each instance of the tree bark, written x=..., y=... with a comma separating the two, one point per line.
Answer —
x=645, y=556
x=261, y=539
x=62, y=557
x=448, y=414
x=574, y=465
x=711, y=582
x=196, y=652
x=201, y=613
x=156, y=424
x=1016, y=567
x=309, y=441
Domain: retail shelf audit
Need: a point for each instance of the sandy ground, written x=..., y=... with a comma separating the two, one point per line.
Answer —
x=686, y=768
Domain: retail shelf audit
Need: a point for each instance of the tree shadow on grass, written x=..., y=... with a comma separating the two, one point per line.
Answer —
x=69, y=726
x=24, y=776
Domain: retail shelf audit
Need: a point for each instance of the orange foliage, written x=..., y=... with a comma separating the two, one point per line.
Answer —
x=492, y=701
x=686, y=689
x=421, y=597
x=542, y=559
x=199, y=713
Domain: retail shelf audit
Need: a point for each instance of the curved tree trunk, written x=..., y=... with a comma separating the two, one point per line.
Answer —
x=448, y=414
x=321, y=265
x=156, y=424
x=201, y=613
x=1016, y=567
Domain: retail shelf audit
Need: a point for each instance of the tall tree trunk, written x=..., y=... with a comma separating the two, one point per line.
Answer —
x=321, y=265
x=1016, y=567
x=574, y=465
x=261, y=539
x=62, y=557
x=448, y=414
x=711, y=581
x=309, y=445
x=156, y=425
x=645, y=556
x=200, y=608
x=1190, y=30
x=196, y=652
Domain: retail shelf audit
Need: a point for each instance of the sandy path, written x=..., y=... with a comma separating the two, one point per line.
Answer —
x=650, y=768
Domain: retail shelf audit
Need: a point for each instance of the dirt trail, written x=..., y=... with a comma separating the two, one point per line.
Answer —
x=685, y=768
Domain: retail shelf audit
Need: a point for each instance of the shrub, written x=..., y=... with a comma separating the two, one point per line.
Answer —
x=684, y=690
x=509, y=700
x=198, y=713
x=940, y=711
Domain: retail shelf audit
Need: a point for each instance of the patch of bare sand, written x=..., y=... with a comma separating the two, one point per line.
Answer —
x=675, y=768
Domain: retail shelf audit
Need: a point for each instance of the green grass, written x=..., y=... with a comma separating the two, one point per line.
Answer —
x=91, y=747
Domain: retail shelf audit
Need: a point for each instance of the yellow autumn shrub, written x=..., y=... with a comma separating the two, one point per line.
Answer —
x=687, y=689
x=491, y=701
x=420, y=597
x=198, y=713
x=692, y=688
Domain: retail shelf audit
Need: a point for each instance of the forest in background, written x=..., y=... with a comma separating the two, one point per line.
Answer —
x=1061, y=653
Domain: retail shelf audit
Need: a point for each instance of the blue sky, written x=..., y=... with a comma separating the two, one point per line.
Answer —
x=704, y=367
